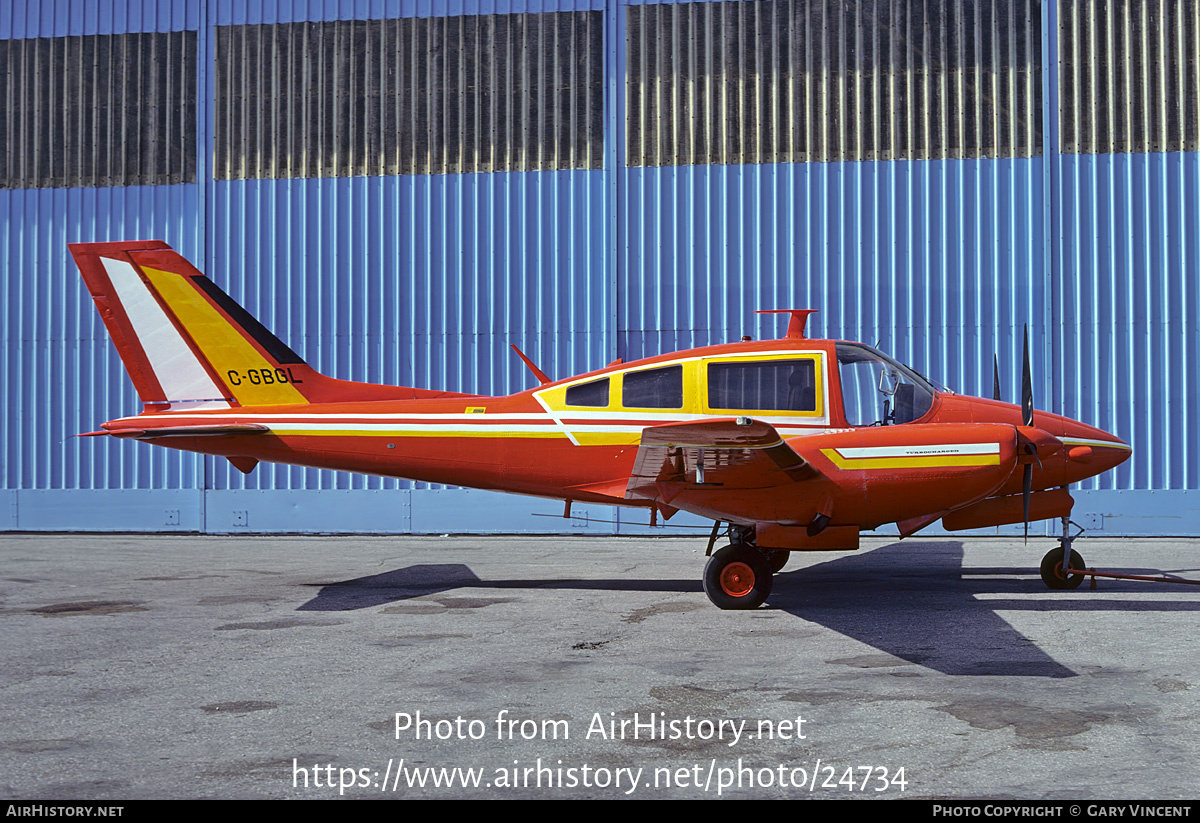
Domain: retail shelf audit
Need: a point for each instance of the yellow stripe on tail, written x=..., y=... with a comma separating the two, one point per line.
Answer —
x=251, y=379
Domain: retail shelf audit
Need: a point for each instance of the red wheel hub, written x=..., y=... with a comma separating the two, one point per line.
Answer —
x=737, y=579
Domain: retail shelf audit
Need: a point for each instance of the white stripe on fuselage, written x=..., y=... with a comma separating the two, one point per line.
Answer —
x=932, y=450
x=1110, y=444
x=597, y=422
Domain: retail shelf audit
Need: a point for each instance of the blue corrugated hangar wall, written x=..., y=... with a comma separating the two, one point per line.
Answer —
x=401, y=189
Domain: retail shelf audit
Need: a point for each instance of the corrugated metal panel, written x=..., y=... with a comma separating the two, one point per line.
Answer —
x=1129, y=76
x=98, y=110
x=769, y=81
x=59, y=372
x=62, y=18
x=1125, y=337
x=1127, y=233
x=435, y=95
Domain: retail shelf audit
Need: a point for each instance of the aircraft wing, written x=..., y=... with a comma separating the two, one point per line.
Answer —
x=678, y=461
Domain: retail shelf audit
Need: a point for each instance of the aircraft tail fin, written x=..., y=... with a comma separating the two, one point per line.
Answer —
x=187, y=344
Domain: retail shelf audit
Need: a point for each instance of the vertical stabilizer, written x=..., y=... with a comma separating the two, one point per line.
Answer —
x=185, y=343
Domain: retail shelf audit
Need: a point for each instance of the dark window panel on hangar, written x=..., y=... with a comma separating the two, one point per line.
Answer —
x=98, y=110
x=768, y=81
x=1129, y=76
x=433, y=95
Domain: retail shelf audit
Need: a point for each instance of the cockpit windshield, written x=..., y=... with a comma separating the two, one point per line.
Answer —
x=877, y=390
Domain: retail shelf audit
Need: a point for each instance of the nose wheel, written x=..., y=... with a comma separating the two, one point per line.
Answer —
x=1052, y=570
x=737, y=576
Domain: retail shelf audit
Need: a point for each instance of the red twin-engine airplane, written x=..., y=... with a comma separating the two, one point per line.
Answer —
x=794, y=444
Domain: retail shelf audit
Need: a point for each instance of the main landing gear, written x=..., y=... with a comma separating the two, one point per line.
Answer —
x=738, y=576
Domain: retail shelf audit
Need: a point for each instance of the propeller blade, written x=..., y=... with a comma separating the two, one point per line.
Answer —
x=1027, y=385
x=995, y=377
x=1026, y=489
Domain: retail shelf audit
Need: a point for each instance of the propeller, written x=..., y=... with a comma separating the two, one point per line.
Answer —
x=1031, y=439
x=1026, y=490
x=1027, y=419
x=1027, y=385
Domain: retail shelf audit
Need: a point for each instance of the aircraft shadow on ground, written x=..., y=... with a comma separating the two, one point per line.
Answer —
x=910, y=600
x=435, y=578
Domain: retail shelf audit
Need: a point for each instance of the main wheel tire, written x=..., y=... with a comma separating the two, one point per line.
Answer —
x=778, y=558
x=1052, y=572
x=737, y=577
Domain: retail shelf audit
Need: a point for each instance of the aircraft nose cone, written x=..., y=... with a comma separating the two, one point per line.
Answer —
x=1091, y=451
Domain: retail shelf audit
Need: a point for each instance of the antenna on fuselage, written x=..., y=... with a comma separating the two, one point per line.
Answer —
x=538, y=373
x=795, y=329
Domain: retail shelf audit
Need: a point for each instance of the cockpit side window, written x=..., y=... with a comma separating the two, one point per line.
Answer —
x=767, y=385
x=653, y=388
x=878, y=391
x=593, y=394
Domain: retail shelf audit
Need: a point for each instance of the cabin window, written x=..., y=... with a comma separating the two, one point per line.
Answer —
x=593, y=394
x=764, y=385
x=653, y=389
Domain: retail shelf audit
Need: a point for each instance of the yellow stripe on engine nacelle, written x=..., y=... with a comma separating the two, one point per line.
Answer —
x=225, y=348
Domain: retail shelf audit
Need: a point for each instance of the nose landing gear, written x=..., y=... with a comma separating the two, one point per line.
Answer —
x=1062, y=567
x=1053, y=574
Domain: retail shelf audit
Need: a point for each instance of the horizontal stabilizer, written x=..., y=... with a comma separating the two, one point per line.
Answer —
x=190, y=431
